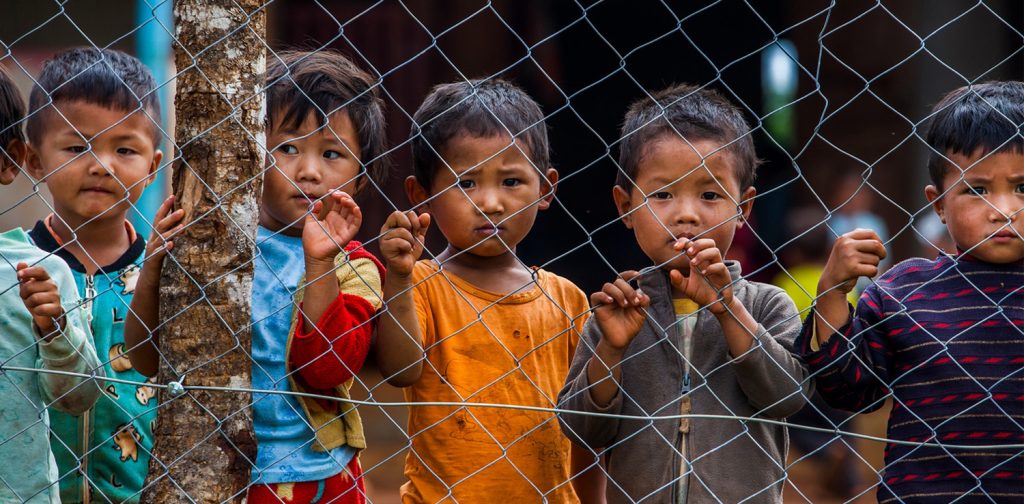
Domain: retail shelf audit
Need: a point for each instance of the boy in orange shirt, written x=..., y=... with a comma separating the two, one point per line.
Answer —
x=476, y=325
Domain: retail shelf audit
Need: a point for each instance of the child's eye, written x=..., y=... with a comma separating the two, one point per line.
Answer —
x=77, y=149
x=661, y=195
x=710, y=195
x=511, y=182
x=977, y=190
x=466, y=184
x=332, y=154
x=288, y=149
x=1020, y=188
x=125, y=151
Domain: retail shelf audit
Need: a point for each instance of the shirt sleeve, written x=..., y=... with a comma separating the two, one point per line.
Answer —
x=72, y=351
x=586, y=430
x=853, y=367
x=336, y=348
x=774, y=380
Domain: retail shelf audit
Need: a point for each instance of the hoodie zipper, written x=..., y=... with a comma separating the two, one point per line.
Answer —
x=685, y=408
x=90, y=295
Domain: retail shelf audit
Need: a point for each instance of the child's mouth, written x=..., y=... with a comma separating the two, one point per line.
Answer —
x=1005, y=236
x=487, y=230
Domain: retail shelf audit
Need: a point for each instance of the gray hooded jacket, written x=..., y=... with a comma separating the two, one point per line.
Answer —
x=731, y=460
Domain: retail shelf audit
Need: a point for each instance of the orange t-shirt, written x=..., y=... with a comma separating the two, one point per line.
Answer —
x=483, y=347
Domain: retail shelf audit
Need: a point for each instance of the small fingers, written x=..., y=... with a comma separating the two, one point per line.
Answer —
x=32, y=302
x=629, y=294
x=677, y=279
x=35, y=287
x=36, y=273
x=705, y=258
x=396, y=220
x=165, y=208
x=613, y=295
x=871, y=246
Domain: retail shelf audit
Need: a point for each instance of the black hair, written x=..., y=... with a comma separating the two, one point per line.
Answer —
x=477, y=108
x=695, y=114
x=975, y=120
x=12, y=111
x=104, y=77
x=300, y=83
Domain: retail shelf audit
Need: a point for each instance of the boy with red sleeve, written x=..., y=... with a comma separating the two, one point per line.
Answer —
x=311, y=324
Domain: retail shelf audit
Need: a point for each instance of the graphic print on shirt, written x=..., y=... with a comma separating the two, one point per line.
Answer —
x=128, y=279
x=119, y=362
x=145, y=393
x=126, y=439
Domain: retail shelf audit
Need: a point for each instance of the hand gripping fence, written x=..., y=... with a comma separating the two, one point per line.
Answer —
x=838, y=94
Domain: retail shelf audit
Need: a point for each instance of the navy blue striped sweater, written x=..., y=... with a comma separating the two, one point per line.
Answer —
x=945, y=339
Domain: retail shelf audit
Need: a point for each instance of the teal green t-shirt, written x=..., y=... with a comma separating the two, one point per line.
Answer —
x=111, y=442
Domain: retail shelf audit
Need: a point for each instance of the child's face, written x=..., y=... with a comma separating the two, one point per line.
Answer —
x=496, y=193
x=95, y=160
x=676, y=197
x=983, y=210
x=306, y=164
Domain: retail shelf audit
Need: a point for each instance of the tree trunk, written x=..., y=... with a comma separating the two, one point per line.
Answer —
x=204, y=443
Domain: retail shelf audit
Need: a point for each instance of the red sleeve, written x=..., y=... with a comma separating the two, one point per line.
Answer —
x=335, y=350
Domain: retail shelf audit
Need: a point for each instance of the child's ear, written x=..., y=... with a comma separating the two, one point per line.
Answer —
x=34, y=165
x=623, y=204
x=547, y=188
x=416, y=193
x=935, y=198
x=11, y=162
x=158, y=155
x=746, y=205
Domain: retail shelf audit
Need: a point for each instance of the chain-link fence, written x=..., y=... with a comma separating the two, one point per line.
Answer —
x=268, y=371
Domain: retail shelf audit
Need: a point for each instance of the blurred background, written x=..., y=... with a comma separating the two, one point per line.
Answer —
x=839, y=93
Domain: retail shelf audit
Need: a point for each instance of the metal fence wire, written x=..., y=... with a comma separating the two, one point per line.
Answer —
x=921, y=400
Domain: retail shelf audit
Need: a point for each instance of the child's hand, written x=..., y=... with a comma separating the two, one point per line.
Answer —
x=709, y=282
x=619, y=311
x=855, y=254
x=334, y=221
x=41, y=298
x=167, y=224
x=401, y=242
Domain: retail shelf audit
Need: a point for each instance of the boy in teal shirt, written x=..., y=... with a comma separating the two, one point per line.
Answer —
x=94, y=135
x=41, y=327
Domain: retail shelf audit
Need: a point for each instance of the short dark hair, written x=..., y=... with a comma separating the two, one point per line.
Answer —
x=477, y=108
x=981, y=118
x=693, y=112
x=300, y=83
x=104, y=77
x=12, y=111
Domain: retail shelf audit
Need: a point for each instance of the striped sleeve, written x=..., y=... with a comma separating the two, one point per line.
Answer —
x=852, y=368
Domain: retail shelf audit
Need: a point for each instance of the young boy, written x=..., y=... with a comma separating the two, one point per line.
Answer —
x=315, y=289
x=94, y=135
x=695, y=337
x=41, y=326
x=476, y=325
x=941, y=337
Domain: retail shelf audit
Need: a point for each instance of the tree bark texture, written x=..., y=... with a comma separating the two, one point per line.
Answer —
x=204, y=442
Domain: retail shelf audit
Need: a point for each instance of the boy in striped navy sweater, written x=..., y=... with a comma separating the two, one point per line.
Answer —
x=945, y=337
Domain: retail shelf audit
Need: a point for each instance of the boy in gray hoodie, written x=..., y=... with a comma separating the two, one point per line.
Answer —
x=694, y=338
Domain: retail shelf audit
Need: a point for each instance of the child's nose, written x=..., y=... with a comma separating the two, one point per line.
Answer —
x=489, y=202
x=1005, y=209
x=685, y=212
x=99, y=165
x=308, y=169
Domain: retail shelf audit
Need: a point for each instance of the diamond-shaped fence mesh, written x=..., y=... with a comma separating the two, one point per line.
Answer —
x=267, y=334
